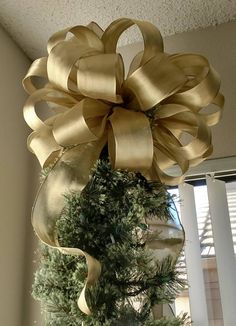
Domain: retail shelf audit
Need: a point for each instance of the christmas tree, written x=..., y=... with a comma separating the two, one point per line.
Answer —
x=109, y=220
x=111, y=242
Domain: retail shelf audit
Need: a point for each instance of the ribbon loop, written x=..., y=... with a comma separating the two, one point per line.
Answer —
x=130, y=140
x=87, y=36
x=61, y=61
x=84, y=123
x=205, y=81
x=43, y=145
x=155, y=81
x=37, y=69
x=101, y=76
x=153, y=43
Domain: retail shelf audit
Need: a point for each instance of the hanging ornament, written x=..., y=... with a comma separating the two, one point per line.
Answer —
x=164, y=238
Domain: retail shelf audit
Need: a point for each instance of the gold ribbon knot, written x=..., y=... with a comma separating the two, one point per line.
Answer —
x=143, y=117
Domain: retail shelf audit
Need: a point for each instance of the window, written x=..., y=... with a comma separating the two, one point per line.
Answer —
x=212, y=286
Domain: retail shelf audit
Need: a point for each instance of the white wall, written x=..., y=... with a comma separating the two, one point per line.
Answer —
x=14, y=182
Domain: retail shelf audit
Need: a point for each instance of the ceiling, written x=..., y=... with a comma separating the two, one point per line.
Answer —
x=31, y=22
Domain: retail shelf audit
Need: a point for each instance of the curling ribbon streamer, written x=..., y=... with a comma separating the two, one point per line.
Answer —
x=142, y=117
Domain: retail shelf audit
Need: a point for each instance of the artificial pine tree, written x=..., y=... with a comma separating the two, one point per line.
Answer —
x=108, y=220
x=119, y=221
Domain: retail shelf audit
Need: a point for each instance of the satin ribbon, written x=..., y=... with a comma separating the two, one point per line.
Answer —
x=66, y=175
x=143, y=117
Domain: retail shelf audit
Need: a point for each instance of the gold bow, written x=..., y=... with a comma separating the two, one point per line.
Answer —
x=88, y=91
x=144, y=117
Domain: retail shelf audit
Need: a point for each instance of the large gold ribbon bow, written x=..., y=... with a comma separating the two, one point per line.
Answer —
x=144, y=117
x=87, y=87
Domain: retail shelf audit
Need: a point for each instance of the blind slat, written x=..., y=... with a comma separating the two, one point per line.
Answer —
x=198, y=304
x=224, y=248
